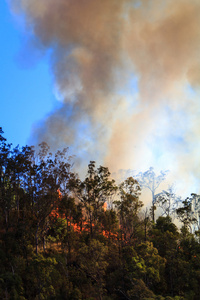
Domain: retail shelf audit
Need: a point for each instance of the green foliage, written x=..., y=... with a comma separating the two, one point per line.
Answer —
x=140, y=291
x=165, y=236
x=59, y=241
x=185, y=214
x=93, y=192
x=128, y=208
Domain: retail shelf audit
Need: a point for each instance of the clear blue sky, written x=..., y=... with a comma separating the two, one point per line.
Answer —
x=26, y=89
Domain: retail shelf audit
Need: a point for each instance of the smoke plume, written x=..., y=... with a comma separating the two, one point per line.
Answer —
x=127, y=73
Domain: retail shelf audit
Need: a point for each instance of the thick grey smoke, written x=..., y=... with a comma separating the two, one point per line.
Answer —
x=128, y=73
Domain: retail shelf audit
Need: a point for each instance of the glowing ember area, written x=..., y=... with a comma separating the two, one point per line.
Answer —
x=83, y=226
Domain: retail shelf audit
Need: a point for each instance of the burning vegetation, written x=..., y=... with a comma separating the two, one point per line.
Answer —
x=58, y=240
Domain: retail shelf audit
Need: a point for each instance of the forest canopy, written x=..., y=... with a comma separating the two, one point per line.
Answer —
x=62, y=237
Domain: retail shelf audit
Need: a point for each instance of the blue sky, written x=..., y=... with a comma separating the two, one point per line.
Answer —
x=26, y=89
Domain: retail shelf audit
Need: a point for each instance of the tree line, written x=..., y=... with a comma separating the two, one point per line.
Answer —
x=62, y=237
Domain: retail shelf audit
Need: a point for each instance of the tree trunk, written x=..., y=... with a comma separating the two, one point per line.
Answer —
x=36, y=239
x=153, y=212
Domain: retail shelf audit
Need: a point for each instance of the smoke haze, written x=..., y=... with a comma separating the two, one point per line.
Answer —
x=127, y=74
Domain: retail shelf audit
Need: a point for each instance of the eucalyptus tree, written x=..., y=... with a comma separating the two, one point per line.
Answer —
x=50, y=176
x=93, y=192
x=14, y=166
x=188, y=214
x=128, y=207
x=168, y=201
x=5, y=191
x=151, y=181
